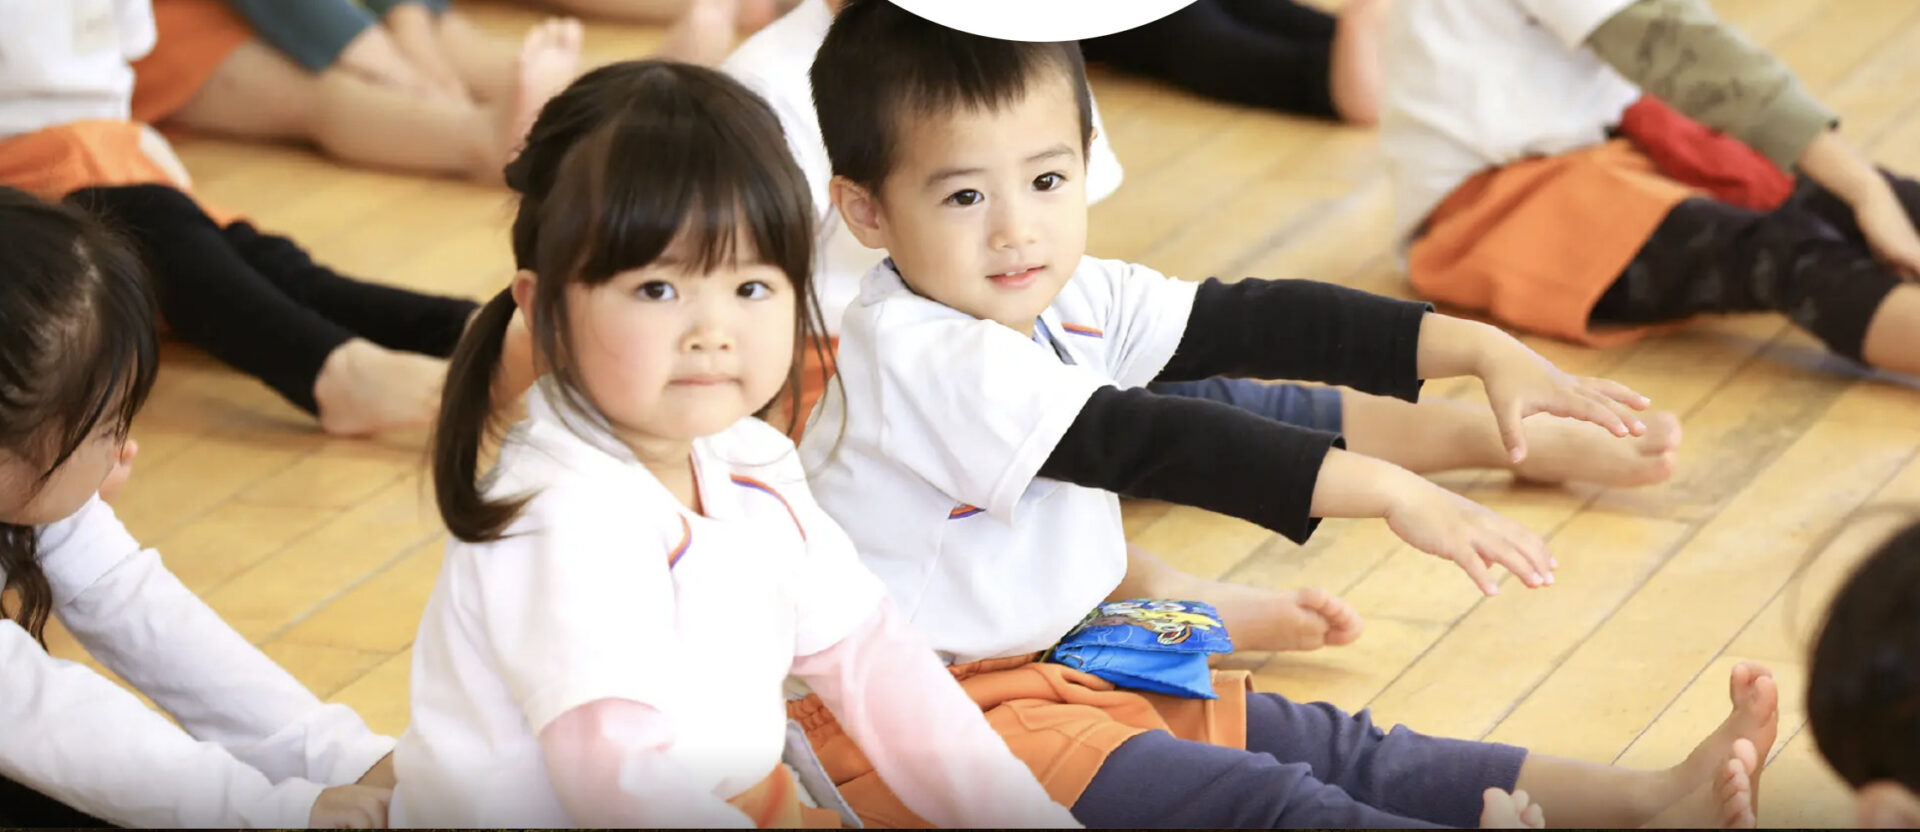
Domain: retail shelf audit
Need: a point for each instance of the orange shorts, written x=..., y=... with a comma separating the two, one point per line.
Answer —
x=195, y=37
x=1061, y=722
x=1536, y=243
x=57, y=161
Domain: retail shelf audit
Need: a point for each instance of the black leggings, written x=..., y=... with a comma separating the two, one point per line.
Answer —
x=1806, y=259
x=22, y=807
x=257, y=301
x=1265, y=53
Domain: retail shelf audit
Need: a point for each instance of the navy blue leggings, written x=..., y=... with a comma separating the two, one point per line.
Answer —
x=1310, y=766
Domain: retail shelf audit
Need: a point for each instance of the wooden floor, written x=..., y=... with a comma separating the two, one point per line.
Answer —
x=323, y=551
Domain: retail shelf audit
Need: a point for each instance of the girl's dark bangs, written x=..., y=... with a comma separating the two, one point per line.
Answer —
x=649, y=178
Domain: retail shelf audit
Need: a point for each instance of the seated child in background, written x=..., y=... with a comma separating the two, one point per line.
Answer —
x=361, y=357
x=989, y=411
x=252, y=748
x=1518, y=205
x=429, y=92
x=1425, y=437
x=632, y=583
x=1863, y=690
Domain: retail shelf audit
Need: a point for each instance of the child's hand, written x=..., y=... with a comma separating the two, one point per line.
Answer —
x=1889, y=232
x=416, y=33
x=351, y=807
x=1521, y=383
x=1440, y=522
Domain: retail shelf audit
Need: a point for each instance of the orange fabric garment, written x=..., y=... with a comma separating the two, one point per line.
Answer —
x=57, y=161
x=774, y=803
x=1061, y=722
x=815, y=373
x=194, y=38
x=1536, y=243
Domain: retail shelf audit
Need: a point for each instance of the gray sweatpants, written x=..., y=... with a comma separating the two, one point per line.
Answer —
x=1304, y=766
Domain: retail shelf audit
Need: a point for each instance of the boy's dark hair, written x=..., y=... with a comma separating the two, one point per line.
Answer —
x=1863, y=696
x=881, y=65
x=616, y=167
x=78, y=354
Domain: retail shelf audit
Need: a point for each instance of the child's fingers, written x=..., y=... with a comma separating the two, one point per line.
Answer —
x=1579, y=405
x=1476, y=569
x=1509, y=417
x=1621, y=411
x=1496, y=550
x=1618, y=392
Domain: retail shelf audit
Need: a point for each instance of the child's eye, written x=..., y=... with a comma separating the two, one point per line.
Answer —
x=1049, y=181
x=657, y=290
x=755, y=290
x=966, y=197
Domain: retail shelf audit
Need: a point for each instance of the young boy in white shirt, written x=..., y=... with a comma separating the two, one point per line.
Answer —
x=990, y=411
x=1425, y=437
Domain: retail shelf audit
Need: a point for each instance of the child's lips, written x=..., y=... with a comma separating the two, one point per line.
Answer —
x=704, y=380
x=1017, y=280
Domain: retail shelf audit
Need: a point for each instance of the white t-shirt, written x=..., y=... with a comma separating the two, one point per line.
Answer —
x=607, y=587
x=63, y=61
x=947, y=420
x=257, y=746
x=774, y=62
x=1474, y=84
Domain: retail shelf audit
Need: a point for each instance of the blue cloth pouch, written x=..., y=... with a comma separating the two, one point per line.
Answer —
x=1148, y=645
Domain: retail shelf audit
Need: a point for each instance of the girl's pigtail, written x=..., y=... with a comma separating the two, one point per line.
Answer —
x=466, y=416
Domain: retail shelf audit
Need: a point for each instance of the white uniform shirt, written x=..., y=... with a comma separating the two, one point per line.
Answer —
x=774, y=62
x=607, y=587
x=257, y=746
x=947, y=420
x=1474, y=84
x=63, y=61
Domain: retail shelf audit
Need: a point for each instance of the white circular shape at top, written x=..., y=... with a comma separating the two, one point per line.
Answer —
x=1042, y=20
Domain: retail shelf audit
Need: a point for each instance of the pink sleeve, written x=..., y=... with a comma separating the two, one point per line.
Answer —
x=609, y=766
x=885, y=686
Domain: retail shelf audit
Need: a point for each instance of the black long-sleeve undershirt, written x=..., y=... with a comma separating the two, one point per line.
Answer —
x=1214, y=456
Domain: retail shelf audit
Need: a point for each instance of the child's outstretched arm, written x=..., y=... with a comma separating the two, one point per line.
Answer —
x=1681, y=53
x=888, y=690
x=139, y=620
x=76, y=737
x=1298, y=329
x=1217, y=457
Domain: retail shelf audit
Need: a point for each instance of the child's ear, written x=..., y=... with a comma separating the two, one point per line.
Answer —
x=523, y=286
x=859, y=210
x=1884, y=804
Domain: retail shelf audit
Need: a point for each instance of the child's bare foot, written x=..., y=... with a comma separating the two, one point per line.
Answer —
x=705, y=31
x=1702, y=791
x=122, y=471
x=1510, y=811
x=1563, y=450
x=549, y=61
x=1265, y=619
x=364, y=389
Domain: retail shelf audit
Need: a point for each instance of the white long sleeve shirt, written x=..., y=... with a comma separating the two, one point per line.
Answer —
x=253, y=748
